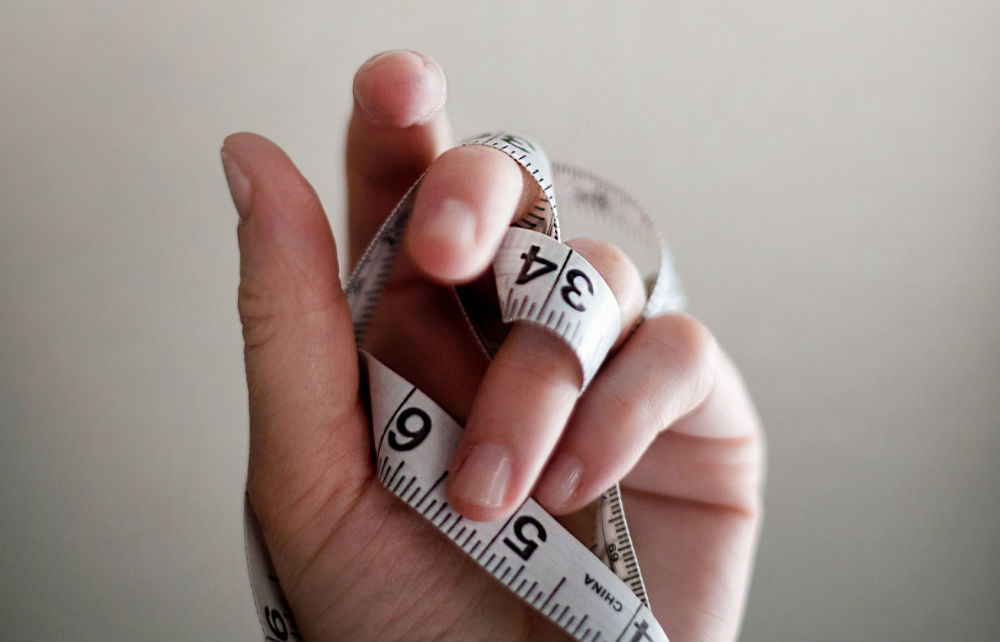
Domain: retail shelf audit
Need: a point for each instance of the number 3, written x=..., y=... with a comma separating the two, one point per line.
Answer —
x=571, y=289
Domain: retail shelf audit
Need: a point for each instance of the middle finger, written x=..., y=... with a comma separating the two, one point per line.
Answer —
x=526, y=398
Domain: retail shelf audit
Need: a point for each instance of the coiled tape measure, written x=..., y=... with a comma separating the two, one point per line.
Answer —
x=595, y=594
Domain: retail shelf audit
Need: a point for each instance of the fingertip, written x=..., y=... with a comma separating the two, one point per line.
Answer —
x=480, y=487
x=478, y=513
x=242, y=143
x=262, y=175
x=557, y=489
x=463, y=207
x=399, y=88
x=445, y=244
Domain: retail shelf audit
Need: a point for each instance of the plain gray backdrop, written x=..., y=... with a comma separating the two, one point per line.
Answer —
x=828, y=175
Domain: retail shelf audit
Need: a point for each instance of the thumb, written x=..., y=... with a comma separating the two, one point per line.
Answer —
x=309, y=442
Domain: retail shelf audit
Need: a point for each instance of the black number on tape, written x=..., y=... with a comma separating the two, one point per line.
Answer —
x=641, y=631
x=530, y=258
x=276, y=623
x=569, y=290
x=518, y=142
x=528, y=545
x=413, y=438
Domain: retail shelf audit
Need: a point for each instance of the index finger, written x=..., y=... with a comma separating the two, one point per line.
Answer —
x=398, y=128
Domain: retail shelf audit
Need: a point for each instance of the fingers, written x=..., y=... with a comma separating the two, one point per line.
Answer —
x=398, y=128
x=524, y=401
x=464, y=205
x=668, y=373
x=307, y=438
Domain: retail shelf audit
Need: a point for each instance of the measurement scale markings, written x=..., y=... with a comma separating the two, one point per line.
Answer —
x=520, y=308
x=392, y=478
x=554, y=591
x=400, y=481
x=407, y=487
x=617, y=639
x=431, y=489
x=457, y=521
x=444, y=505
x=556, y=282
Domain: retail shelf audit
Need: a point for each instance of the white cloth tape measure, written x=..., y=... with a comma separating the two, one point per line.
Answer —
x=595, y=594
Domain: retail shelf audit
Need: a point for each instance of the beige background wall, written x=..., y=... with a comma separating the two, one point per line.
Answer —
x=828, y=174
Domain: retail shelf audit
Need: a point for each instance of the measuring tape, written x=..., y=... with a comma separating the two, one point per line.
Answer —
x=595, y=594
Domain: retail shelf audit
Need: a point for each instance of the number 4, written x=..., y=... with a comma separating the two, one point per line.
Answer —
x=530, y=258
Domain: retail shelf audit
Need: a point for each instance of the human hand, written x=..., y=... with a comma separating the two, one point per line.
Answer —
x=668, y=413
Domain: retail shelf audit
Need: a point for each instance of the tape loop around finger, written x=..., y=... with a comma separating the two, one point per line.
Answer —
x=543, y=281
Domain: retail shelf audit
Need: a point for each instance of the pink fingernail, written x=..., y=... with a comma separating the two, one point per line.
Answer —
x=240, y=187
x=452, y=221
x=482, y=478
x=559, y=481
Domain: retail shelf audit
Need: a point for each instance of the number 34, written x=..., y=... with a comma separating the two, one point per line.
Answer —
x=571, y=292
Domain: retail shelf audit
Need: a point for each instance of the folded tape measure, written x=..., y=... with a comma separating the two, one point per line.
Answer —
x=595, y=594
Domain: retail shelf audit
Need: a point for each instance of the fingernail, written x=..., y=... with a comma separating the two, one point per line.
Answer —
x=482, y=478
x=239, y=185
x=560, y=481
x=453, y=221
x=399, y=88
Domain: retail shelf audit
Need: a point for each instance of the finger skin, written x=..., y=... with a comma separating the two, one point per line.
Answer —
x=463, y=206
x=399, y=126
x=301, y=362
x=524, y=401
x=670, y=369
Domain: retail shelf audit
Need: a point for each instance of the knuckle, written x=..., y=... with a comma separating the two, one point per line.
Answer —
x=620, y=403
x=267, y=313
x=685, y=342
x=256, y=317
x=617, y=270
